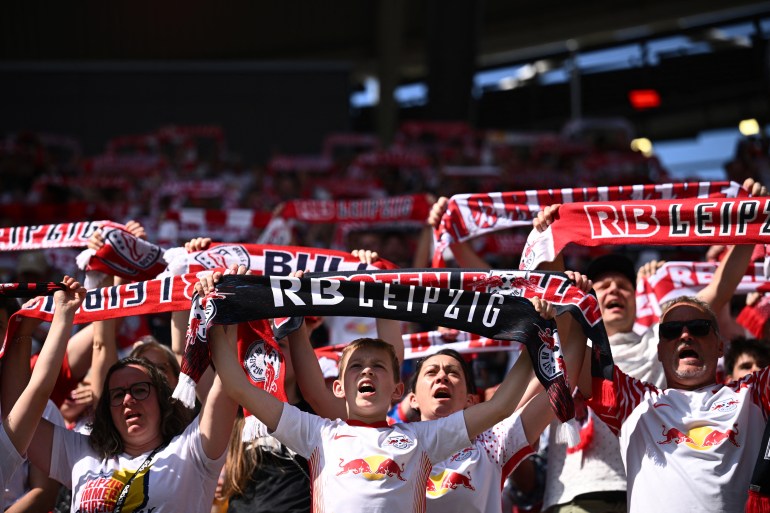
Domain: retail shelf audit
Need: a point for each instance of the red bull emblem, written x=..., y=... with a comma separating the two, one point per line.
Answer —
x=702, y=438
x=356, y=466
x=391, y=469
x=372, y=468
x=673, y=435
x=440, y=484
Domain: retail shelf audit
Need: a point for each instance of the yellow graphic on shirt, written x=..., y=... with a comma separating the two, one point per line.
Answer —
x=439, y=484
x=101, y=493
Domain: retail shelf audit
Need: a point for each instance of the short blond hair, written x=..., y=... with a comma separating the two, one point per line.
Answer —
x=371, y=343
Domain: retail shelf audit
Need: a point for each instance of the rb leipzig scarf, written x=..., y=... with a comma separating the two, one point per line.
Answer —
x=258, y=351
x=240, y=298
x=471, y=215
x=122, y=254
x=28, y=290
x=154, y=296
x=266, y=259
x=688, y=222
x=419, y=345
x=552, y=286
x=62, y=235
x=674, y=279
x=413, y=207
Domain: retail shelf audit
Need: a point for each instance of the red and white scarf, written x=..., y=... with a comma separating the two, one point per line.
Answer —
x=413, y=207
x=267, y=259
x=470, y=215
x=61, y=235
x=674, y=279
x=680, y=222
x=418, y=345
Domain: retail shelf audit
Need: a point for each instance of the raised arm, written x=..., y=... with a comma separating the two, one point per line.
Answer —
x=462, y=251
x=222, y=341
x=23, y=419
x=482, y=416
x=733, y=266
x=536, y=414
x=310, y=378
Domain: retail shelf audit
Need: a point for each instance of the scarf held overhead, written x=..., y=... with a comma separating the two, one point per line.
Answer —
x=398, y=208
x=471, y=215
x=241, y=298
x=552, y=286
x=688, y=222
x=62, y=235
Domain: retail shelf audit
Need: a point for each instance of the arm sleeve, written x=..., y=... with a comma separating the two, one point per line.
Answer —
x=614, y=401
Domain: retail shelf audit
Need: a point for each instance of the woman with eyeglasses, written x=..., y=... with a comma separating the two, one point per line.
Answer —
x=143, y=453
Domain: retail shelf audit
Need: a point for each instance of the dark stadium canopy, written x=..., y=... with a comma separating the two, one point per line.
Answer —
x=437, y=41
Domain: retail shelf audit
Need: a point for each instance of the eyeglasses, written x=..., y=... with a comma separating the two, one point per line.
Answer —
x=696, y=327
x=139, y=391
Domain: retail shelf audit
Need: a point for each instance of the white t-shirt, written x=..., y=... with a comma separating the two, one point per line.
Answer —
x=472, y=479
x=599, y=467
x=18, y=485
x=361, y=468
x=688, y=450
x=10, y=461
x=181, y=477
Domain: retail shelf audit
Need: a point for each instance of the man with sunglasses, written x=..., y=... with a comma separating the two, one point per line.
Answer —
x=682, y=445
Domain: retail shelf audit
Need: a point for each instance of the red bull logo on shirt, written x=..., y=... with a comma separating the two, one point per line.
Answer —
x=702, y=438
x=440, y=484
x=399, y=442
x=372, y=468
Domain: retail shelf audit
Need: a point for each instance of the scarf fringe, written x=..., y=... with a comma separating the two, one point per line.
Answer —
x=185, y=391
x=585, y=437
x=561, y=400
x=757, y=503
x=568, y=433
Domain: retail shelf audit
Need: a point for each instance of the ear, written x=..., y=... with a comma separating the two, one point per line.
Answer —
x=413, y=404
x=397, y=392
x=471, y=400
x=720, y=347
x=337, y=389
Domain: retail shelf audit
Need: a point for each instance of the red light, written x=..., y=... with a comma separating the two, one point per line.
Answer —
x=644, y=99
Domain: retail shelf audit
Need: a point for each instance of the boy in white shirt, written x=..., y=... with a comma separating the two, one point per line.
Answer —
x=363, y=464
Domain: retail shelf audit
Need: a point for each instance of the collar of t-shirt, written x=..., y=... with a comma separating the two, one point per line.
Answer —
x=359, y=423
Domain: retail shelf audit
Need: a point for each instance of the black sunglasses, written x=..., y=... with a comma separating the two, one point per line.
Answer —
x=139, y=391
x=696, y=327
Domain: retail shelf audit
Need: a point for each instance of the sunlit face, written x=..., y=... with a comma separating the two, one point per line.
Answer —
x=368, y=385
x=138, y=422
x=160, y=359
x=617, y=300
x=440, y=389
x=744, y=364
x=689, y=361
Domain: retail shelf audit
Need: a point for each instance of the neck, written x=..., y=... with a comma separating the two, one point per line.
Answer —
x=135, y=450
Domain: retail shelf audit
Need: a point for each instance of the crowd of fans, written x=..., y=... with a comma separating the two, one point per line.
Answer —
x=113, y=438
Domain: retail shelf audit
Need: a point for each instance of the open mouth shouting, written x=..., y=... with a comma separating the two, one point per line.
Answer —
x=615, y=305
x=688, y=355
x=442, y=392
x=366, y=388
